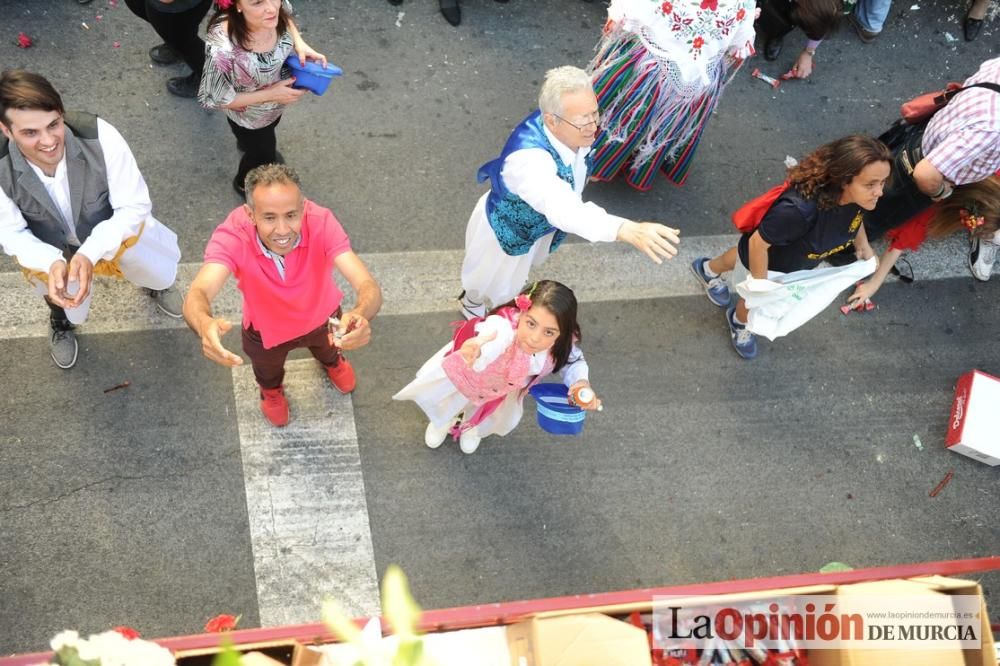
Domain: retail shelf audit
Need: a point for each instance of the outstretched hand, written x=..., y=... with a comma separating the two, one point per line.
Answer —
x=354, y=332
x=472, y=348
x=592, y=406
x=211, y=343
x=656, y=241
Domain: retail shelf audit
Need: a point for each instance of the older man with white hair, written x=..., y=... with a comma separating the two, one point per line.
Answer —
x=535, y=197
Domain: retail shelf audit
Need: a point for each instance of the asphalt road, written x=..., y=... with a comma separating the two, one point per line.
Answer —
x=131, y=507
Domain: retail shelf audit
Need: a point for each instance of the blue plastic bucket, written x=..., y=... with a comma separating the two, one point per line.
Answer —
x=313, y=76
x=555, y=413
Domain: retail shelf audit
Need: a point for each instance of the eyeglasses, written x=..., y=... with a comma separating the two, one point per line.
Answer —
x=593, y=121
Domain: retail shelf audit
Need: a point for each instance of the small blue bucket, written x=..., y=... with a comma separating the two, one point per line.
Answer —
x=555, y=413
x=313, y=76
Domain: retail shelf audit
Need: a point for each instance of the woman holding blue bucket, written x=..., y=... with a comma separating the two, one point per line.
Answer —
x=475, y=385
x=247, y=44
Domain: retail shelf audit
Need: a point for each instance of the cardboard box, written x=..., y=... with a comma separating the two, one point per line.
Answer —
x=984, y=656
x=973, y=427
x=589, y=639
x=258, y=659
x=933, y=588
x=485, y=646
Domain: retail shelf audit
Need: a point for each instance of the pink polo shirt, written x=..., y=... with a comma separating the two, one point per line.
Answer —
x=283, y=309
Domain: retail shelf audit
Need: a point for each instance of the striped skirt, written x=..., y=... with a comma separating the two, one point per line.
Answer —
x=649, y=119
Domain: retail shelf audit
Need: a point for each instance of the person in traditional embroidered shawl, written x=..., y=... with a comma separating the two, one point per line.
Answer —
x=659, y=72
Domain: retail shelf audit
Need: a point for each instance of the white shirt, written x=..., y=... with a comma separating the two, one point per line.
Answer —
x=58, y=188
x=532, y=175
x=127, y=193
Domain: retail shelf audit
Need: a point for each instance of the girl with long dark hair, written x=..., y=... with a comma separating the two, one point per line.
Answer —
x=475, y=385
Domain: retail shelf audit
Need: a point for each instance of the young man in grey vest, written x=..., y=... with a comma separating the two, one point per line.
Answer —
x=74, y=205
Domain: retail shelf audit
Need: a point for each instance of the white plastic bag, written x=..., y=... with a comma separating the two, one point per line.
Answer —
x=785, y=301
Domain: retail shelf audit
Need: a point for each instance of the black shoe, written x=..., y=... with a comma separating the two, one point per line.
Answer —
x=772, y=47
x=238, y=186
x=451, y=11
x=184, y=86
x=396, y=2
x=164, y=55
x=971, y=28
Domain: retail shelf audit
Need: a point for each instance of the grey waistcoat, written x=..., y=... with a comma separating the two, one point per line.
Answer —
x=88, y=184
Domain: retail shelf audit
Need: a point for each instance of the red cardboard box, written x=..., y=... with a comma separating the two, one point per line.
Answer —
x=973, y=429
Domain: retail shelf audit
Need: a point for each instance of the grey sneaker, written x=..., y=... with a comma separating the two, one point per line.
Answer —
x=471, y=309
x=168, y=300
x=982, y=254
x=63, y=346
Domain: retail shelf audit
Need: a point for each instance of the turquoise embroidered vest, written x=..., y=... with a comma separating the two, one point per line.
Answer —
x=516, y=224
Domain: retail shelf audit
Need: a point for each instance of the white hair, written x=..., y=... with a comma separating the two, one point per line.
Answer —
x=558, y=82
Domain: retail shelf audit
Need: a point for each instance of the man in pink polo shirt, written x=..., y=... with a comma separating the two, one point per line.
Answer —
x=283, y=248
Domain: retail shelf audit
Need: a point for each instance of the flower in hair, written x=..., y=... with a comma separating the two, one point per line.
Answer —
x=971, y=220
x=224, y=4
x=523, y=301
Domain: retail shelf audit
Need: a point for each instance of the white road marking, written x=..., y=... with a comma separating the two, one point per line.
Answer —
x=306, y=502
x=428, y=281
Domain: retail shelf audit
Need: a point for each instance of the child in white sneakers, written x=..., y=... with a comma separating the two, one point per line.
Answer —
x=475, y=385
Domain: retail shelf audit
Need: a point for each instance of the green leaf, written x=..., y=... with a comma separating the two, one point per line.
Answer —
x=68, y=657
x=833, y=567
x=400, y=609
x=339, y=624
x=228, y=656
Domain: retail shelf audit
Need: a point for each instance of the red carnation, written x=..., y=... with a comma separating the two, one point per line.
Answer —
x=698, y=42
x=23, y=40
x=740, y=14
x=666, y=8
x=710, y=4
x=129, y=633
x=221, y=623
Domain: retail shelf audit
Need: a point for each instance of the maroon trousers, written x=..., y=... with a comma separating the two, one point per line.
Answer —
x=269, y=364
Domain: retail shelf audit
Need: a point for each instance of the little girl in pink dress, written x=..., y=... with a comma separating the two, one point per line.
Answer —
x=475, y=385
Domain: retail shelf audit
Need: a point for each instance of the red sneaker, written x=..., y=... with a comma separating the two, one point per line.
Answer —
x=342, y=376
x=274, y=406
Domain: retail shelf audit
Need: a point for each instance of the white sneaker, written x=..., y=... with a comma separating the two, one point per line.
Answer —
x=469, y=441
x=435, y=436
x=982, y=254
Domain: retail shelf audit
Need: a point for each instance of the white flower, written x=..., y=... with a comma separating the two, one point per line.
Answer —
x=64, y=639
x=113, y=649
